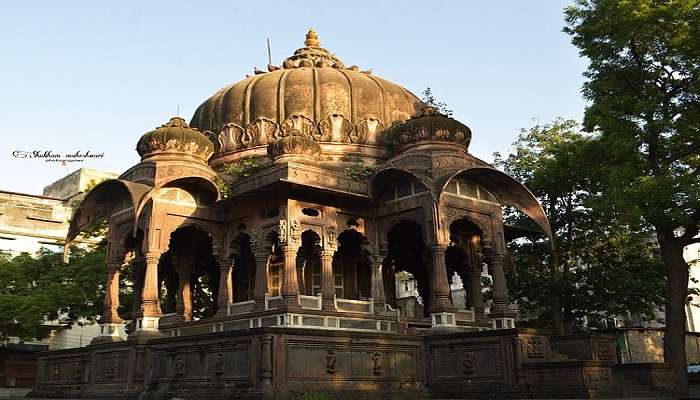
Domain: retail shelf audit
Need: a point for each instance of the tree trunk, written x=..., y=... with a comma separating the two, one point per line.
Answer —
x=676, y=295
x=555, y=290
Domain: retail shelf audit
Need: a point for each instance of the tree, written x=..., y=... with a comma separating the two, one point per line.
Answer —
x=429, y=99
x=643, y=84
x=34, y=289
x=601, y=266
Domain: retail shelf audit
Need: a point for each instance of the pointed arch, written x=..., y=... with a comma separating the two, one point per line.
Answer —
x=387, y=173
x=193, y=184
x=102, y=199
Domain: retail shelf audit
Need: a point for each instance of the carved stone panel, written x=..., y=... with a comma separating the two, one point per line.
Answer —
x=355, y=362
x=217, y=361
x=111, y=367
x=482, y=361
x=597, y=376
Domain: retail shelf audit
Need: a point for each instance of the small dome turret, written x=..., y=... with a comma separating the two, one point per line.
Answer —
x=429, y=126
x=175, y=138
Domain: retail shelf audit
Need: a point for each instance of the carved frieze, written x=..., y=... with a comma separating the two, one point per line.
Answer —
x=367, y=130
x=429, y=125
x=334, y=128
x=298, y=125
x=263, y=131
x=231, y=137
x=597, y=376
x=294, y=145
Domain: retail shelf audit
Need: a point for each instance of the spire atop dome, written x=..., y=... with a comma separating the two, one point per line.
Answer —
x=312, y=39
x=312, y=55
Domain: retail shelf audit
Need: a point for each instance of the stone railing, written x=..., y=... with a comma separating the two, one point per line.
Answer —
x=241, y=307
x=310, y=302
x=465, y=315
x=358, y=306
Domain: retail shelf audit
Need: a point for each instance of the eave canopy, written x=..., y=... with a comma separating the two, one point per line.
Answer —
x=508, y=190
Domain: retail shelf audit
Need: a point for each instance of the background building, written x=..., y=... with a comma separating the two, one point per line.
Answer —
x=29, y=222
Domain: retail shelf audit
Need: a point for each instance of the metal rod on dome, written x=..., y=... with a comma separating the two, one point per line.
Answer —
x=269, y=53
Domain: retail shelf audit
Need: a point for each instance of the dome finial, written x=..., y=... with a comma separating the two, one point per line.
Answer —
x=312, y=39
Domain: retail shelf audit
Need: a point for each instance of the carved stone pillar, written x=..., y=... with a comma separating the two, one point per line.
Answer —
x=111, y=302
x=183, y=308
x=290, y=285
x=440, y=286
x=327, y=280
x=377, y=283
x=500, y=312
x=262, y=259
x=266, y=361
x=225, y=295
x=139, y=271
x=150, y=308
x=442, y=312
x=110, y=321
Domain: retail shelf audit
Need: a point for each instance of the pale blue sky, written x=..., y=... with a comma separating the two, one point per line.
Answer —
x=96, y=75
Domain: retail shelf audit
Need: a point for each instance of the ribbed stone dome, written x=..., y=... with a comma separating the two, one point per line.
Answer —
x=313, y=93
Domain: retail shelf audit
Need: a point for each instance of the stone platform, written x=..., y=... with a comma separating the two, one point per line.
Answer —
x=279, y=363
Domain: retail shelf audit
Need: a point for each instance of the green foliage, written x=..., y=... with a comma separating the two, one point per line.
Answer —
x=604, y=266
x=224, y=187
x=643, y=89
x=241, y=169
x=428, y=98
x=358, y=171
x=38, y=288
x=245, y=167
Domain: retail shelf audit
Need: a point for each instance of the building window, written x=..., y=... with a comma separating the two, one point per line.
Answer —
x=465, y=188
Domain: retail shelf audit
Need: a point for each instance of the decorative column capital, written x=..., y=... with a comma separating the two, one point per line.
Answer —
x=226, y=263
x=438, y=249
x=289, y=249
x=152, y=257
x=492, y=257
x=487, y=245
x=327, y=254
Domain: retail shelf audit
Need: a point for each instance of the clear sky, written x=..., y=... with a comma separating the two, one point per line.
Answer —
x=97, y=75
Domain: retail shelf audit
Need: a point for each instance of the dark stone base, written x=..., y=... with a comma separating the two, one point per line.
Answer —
x=290, y=363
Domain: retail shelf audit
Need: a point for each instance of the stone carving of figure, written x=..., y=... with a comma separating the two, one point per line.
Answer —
x=331, y=362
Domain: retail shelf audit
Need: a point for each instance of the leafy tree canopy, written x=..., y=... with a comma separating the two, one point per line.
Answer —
x=34, y=289
x=643, y=85
x=603, y=266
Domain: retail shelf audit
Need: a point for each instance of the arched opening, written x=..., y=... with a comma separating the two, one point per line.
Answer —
x=394, y=184
x=309, y=264
x=464, y=263
x=407, y=261
x=275, y=266
x=131, y=276
x=188, y=275
x=352, y=268
x=243, y=274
